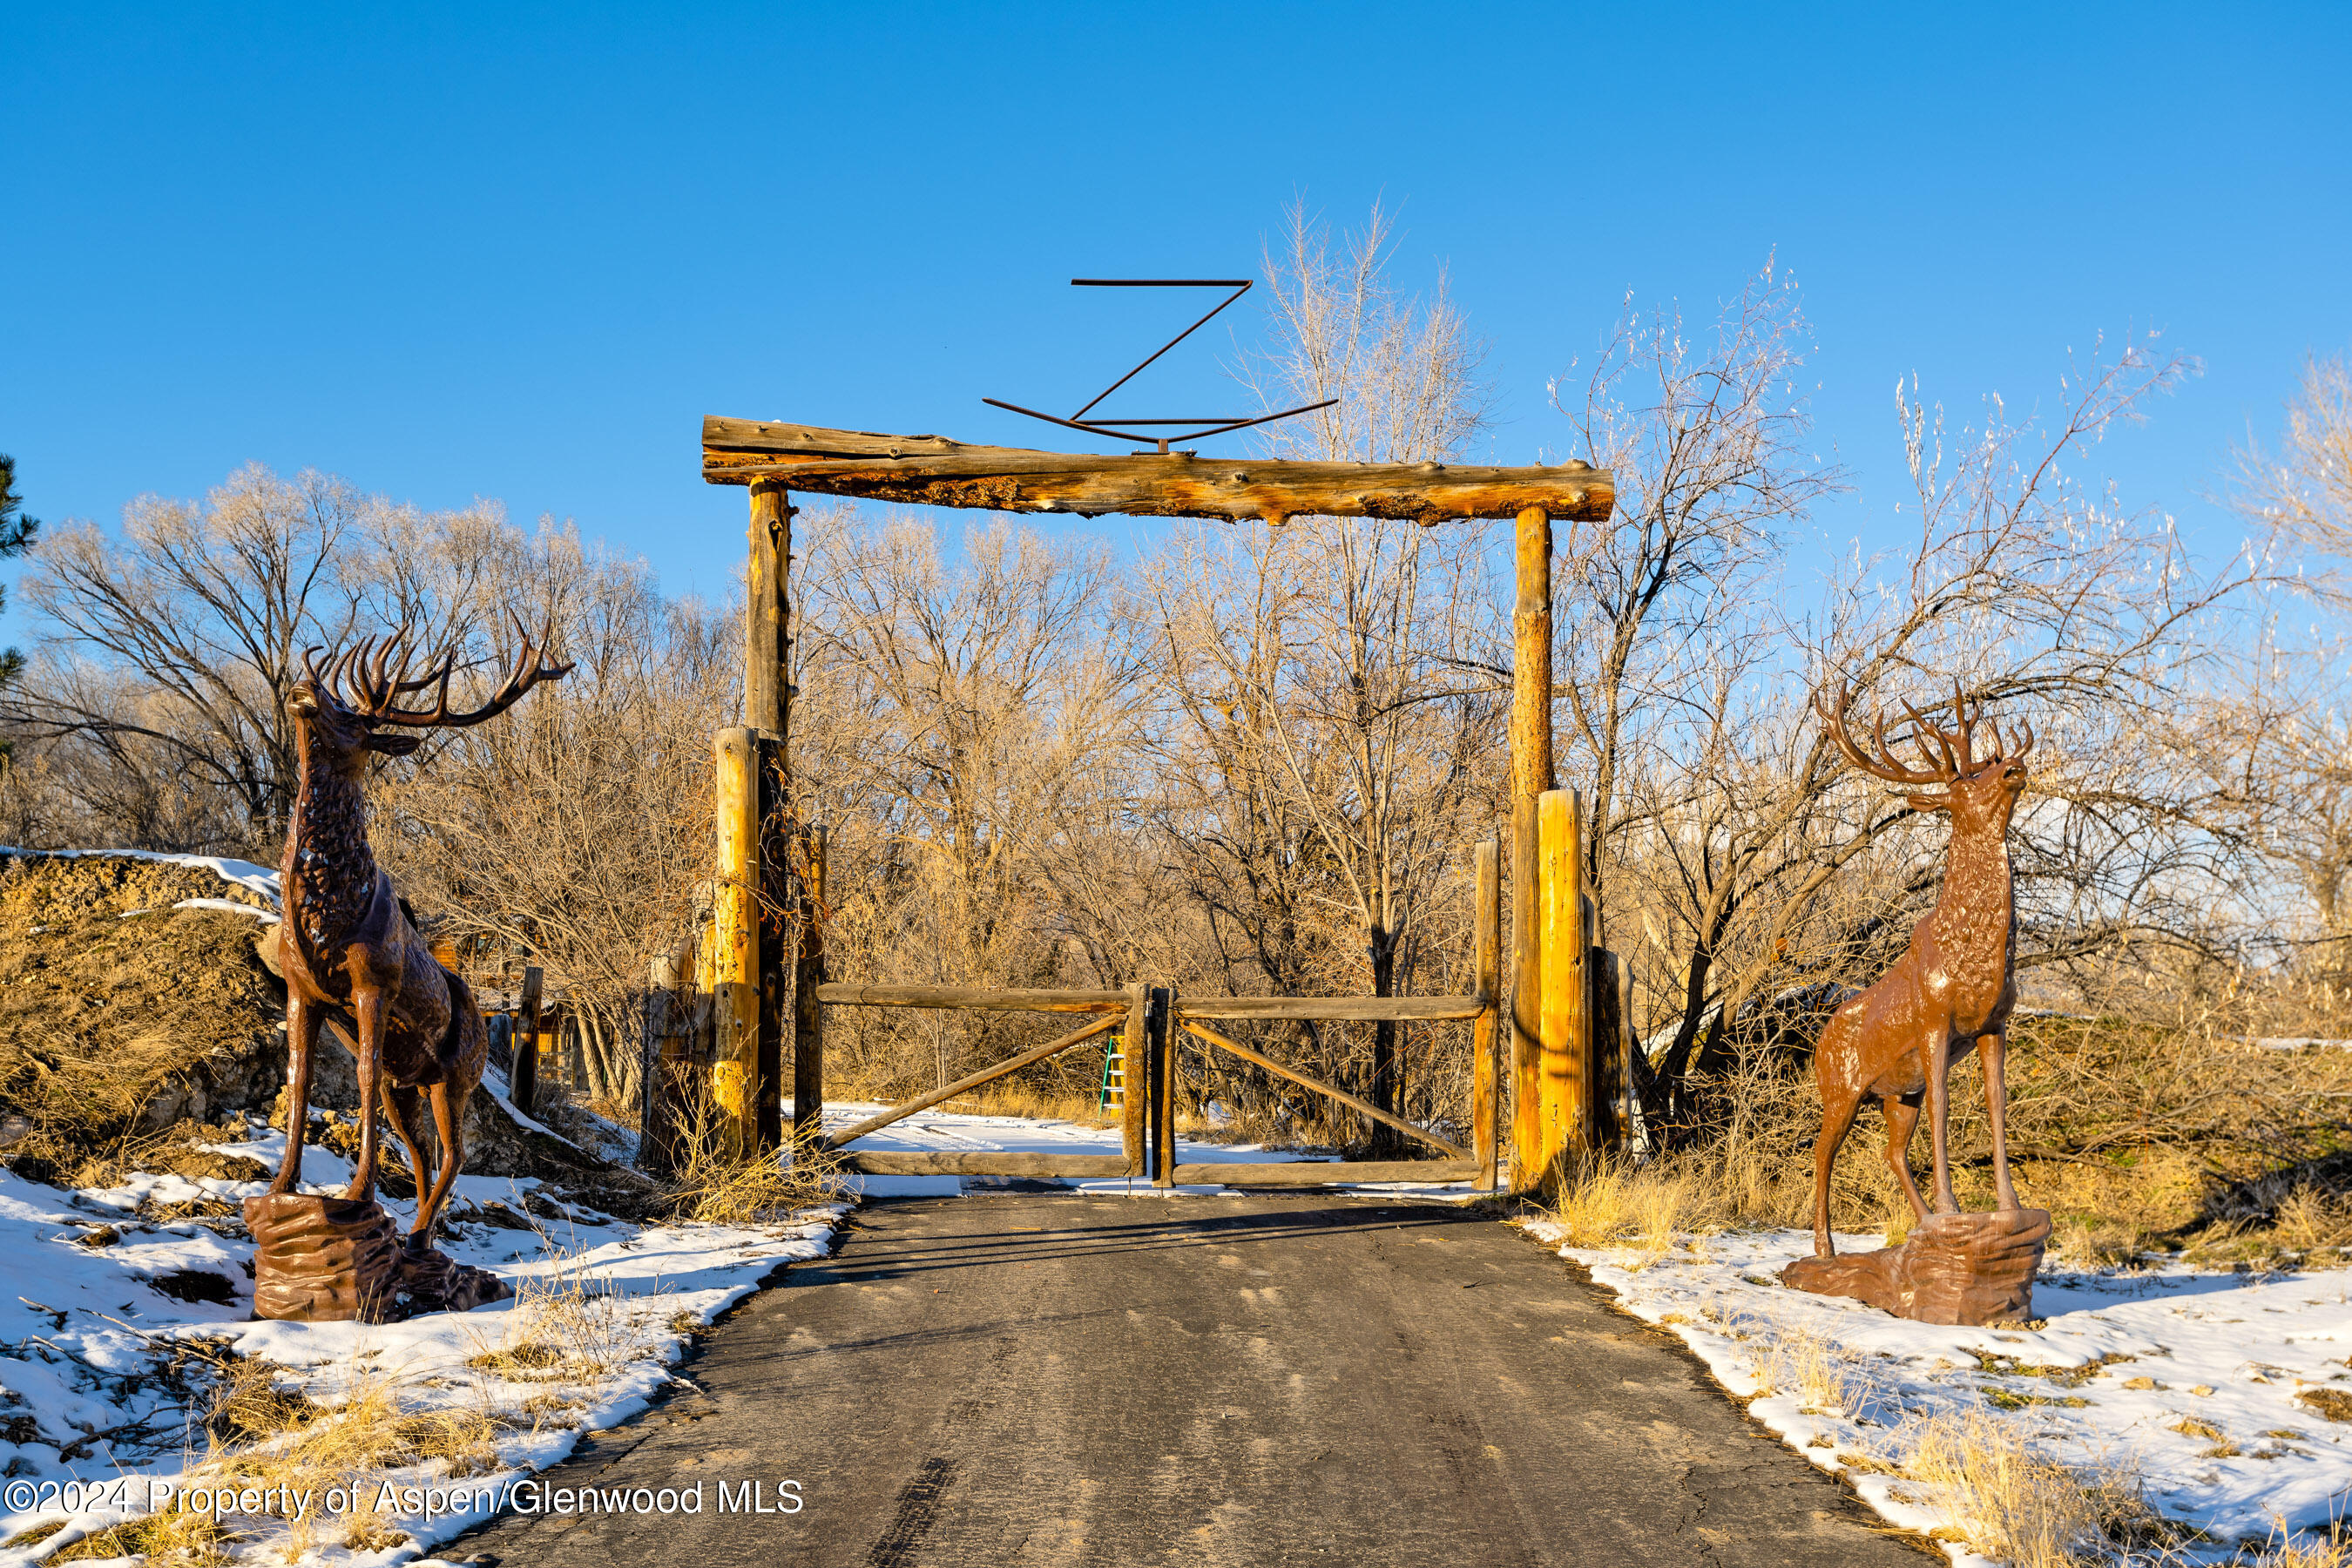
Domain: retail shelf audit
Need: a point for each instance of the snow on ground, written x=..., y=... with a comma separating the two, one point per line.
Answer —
x=87, y=1332
x=945, y=1131
x=2190, y=1380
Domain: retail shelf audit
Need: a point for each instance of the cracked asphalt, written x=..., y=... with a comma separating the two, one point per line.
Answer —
x=1049, y=1378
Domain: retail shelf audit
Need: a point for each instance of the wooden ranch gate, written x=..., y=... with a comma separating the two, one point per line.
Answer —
x=763, y=963
x=1152, y=1018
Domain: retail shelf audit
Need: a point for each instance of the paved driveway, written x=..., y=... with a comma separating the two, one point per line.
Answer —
x=1049, y=1378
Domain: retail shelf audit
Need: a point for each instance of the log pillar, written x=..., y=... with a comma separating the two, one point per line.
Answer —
x=1565, y=1083
x=767, y=712
x=735, y=941
x=1135, y=1079
x=767, y=685
x=1161, y=1027
x=1486, y=1033
x=1531, y=775
x=808, y=1013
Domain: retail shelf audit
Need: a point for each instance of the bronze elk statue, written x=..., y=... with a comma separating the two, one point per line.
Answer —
x=347, y=947
x=1953, y=989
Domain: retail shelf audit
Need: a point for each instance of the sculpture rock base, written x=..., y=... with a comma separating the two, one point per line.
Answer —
x=319, y=1260
x=1973, y=1268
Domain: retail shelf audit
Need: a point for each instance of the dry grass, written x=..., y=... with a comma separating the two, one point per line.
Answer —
x=372, y=1427
x=2007, y=1499
x=566, y=1326
x=2328, y=1553
x=250, y=1403
x=1644, y=1207
x=714, y=1182
x=1791, y=1361
x=1757, y=1170
x=179, y=1539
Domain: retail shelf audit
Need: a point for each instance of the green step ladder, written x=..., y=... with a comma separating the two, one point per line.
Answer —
x=1114, y=1083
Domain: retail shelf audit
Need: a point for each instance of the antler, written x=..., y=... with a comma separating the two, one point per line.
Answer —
x=370, y=680
x=1956, y=744
x=1881, y=762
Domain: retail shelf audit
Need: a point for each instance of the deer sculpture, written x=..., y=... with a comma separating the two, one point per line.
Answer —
x=347, y=947
x=1954, y=987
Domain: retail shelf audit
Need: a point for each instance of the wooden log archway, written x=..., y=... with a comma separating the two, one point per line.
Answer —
x=1550, y=1050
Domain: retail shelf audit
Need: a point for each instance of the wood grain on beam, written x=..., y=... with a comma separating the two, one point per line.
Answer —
x=1326, y=1172
x=934, y=472
x=971, y=998
x=1405, y=1009
x=1091, y=1167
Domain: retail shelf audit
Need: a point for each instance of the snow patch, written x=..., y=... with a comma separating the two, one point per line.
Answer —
x=2191, y=1380
x=90, y=1317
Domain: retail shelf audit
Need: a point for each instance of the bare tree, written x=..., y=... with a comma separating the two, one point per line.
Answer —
x=211, y=604
x=1740, y=837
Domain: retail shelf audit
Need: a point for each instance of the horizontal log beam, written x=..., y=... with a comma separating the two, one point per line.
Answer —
x=1326, y=1172
x=967, y=1084
x=972, y=998
x=1089, y=1167
x=1407, y=1009
x=1341, y=1095
x=934, y=472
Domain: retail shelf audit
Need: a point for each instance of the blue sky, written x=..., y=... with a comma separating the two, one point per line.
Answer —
x=520, y=251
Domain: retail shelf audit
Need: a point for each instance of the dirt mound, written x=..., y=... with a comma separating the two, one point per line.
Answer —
x=123, y=1019
x=43, y=890
x=120, y=1015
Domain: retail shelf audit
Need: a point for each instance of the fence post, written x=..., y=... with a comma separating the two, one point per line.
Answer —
x=1163, y=1085
x=522, y=1073
x=735, y=941
x=808, y=1013
x=1567, y=1079
x=1629, y=1112
x=1486, y=1033
x=1135, y=1079
x=653, y=1018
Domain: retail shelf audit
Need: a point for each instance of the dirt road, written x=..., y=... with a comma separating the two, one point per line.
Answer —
x=1048, y=1378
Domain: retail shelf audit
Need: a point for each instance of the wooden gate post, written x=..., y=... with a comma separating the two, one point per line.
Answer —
x=1135, y=1079
x=735, y=941
x=808, y=1013
x=1486, y=1035
x=1162, y=1028
x=767, y=684
x=767, y=712
x=1530, y=777
x=1567, y=1079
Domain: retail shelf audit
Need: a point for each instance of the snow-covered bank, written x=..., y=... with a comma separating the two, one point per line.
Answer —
x=2227, y=1396
x=109, y=1291
x=944, y=1131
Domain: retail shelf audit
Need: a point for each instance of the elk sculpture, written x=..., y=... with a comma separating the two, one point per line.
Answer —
x=1953, y=988
x=347, y=948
